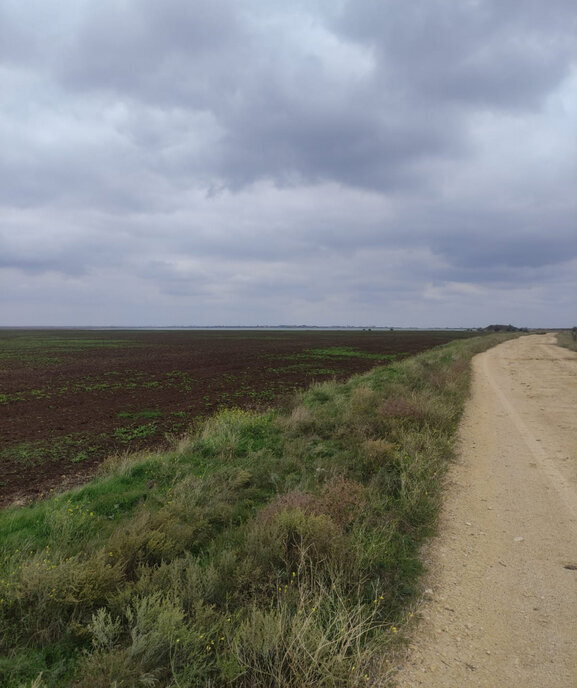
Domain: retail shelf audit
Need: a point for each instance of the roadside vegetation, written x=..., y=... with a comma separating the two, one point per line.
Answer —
x=568, y=339
x=273, y=548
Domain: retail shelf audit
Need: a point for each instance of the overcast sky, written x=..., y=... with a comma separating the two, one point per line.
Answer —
x=228, y=162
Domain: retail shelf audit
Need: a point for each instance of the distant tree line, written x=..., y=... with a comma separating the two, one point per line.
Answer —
x=504, y=328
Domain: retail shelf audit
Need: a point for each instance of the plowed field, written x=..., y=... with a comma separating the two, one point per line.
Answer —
x=70, y=398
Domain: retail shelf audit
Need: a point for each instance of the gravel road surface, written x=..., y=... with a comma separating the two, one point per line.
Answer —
x=500, y=609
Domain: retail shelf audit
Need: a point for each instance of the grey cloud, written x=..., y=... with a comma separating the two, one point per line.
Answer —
x=485, y=53
x=353, y=139
x=259, y=160
x=495, y=240
x=177, y=282
x=164, y=52
x=15, y=42
x=41, y=180
x=57, y=157
x=41, y=261
x=72, y=245
x=277, y=112
x=33, y=33
x=497, y=250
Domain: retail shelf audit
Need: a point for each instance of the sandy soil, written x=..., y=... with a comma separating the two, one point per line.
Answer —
x=500, y=609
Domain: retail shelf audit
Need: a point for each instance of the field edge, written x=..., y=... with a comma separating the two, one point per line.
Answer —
x=262, y=539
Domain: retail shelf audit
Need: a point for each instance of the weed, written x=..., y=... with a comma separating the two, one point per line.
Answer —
x=75, y=447
x=343, y=352
x=130, y=434
x=144, y=413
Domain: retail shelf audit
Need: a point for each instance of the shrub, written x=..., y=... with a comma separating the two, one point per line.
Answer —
x=284, y=541
x=327, y=641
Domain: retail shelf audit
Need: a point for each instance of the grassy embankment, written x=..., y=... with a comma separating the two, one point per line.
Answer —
x=271, y=549
x=565, y=338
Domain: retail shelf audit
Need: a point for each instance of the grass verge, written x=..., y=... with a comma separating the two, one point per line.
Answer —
x=266, y=549
x=565, y=338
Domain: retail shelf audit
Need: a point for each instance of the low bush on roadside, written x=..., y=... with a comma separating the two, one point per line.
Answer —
x=272, y=549
x=568, y=339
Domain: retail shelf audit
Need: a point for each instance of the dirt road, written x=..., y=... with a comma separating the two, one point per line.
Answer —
x=501, y=606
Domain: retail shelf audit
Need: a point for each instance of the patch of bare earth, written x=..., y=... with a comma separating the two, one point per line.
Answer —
x=500, y=609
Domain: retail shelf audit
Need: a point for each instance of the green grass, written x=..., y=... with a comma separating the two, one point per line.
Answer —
x=336, y=352
x=265, y=549
x=48, y=348
x=310, y=367
x=128, y=381
x=144, y=413
x=130, y=434
x=75, y=447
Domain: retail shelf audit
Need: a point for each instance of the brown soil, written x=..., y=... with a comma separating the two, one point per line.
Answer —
x=70, y=398
x=499, y=609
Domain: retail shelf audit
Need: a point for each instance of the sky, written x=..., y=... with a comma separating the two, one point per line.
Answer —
x=320, y=162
